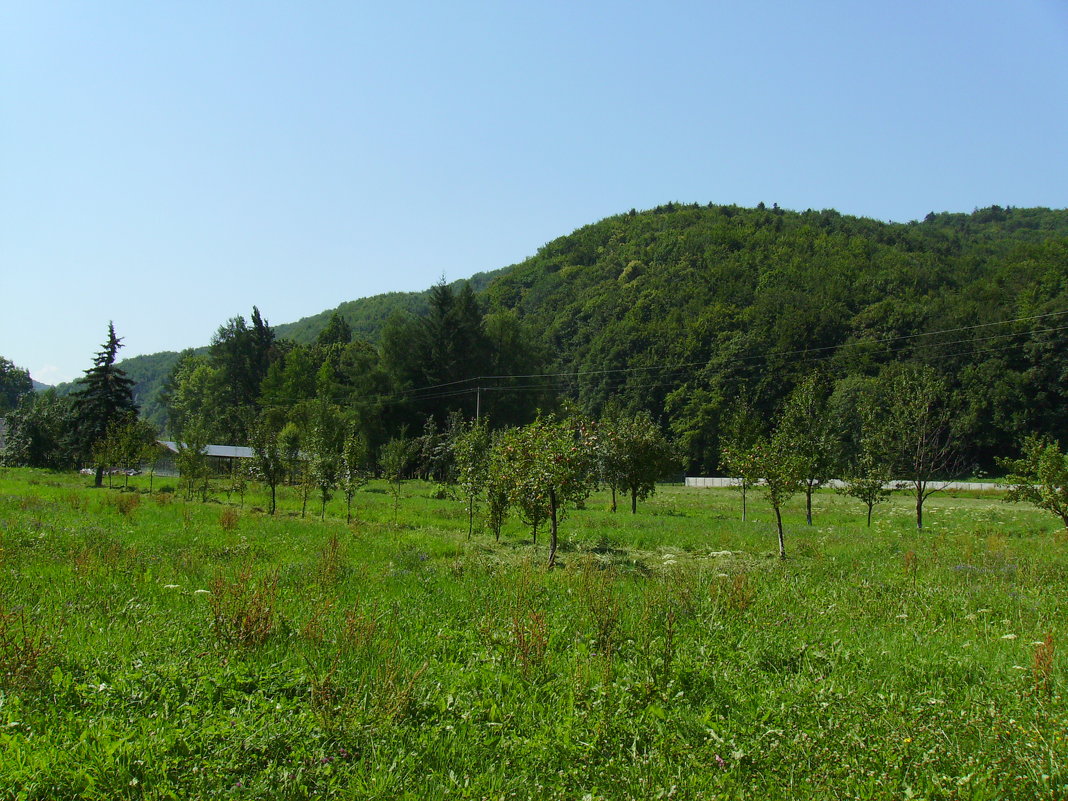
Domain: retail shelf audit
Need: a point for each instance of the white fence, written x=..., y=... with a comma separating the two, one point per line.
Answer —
x=975, y=486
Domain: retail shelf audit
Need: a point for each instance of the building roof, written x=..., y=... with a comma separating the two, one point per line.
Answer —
x=222, y=451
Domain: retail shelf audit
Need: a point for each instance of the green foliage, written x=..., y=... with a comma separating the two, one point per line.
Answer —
x=668, y=657
x=355, y=466
x=103, y=398
x=678, y=308
x=324, y=447
x=192, y=461
x=127, y=444
x=634, y=455
x=781, y=470
x=740, y=452
x=1040, y=477
x=471, y=449
x=240, y=356
x=269, y=457
x=550, y=465
x=336, y=332
x=395, y=458
x=14, y=383
x=497, y=479
x=806, y=429
x=911, y=429
x=42, y=432
x=867, y=480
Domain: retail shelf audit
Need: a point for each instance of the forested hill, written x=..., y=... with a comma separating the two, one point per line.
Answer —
x=366, y=316
x=681, y=308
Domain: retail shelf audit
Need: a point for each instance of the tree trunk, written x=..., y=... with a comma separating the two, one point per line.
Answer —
x=613, y=497
x=782, y=542
x=808, y=503
x=869, y=515
x=552, y=521
x=743, y=500
x=470, y=515
x=634, y=501
x=272, y=498
x=919, y=509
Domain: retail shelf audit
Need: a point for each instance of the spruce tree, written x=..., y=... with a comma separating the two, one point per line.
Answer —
x=105, y=398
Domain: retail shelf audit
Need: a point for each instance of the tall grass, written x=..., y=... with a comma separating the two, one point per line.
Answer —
x=174, y=650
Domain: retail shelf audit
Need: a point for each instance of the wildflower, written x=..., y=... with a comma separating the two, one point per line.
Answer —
x=720, y=761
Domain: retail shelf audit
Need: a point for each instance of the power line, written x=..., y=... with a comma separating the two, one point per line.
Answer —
x=456, y=388
x=796, y=352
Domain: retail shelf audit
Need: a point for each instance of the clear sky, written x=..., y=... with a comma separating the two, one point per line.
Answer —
x=167, y=165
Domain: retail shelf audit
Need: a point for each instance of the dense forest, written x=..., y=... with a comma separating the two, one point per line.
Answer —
x=684, y=311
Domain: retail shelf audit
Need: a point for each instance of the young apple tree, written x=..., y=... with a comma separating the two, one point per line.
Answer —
x=551, y=463
x=1040, y=477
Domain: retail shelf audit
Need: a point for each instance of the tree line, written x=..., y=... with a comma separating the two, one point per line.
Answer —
x=686, y=313
x=896, y=425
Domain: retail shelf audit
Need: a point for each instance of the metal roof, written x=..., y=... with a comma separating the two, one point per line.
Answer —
x=222, y=451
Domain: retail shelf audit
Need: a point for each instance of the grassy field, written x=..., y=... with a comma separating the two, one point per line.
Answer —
x=154, y=648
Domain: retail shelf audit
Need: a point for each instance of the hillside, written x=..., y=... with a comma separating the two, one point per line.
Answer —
x=366, y=316
x=682, y=308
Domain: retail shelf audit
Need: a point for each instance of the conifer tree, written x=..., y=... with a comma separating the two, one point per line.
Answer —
x=104, y=399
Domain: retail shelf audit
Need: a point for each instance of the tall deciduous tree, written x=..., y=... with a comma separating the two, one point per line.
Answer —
x=14, y=383
x=241, y=355
x=104, y=398
x=42, y=432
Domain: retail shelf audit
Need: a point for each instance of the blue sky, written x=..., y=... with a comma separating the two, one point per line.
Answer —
x=167, y=165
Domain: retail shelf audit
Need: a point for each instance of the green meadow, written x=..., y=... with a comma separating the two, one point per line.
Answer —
x=156, y=648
